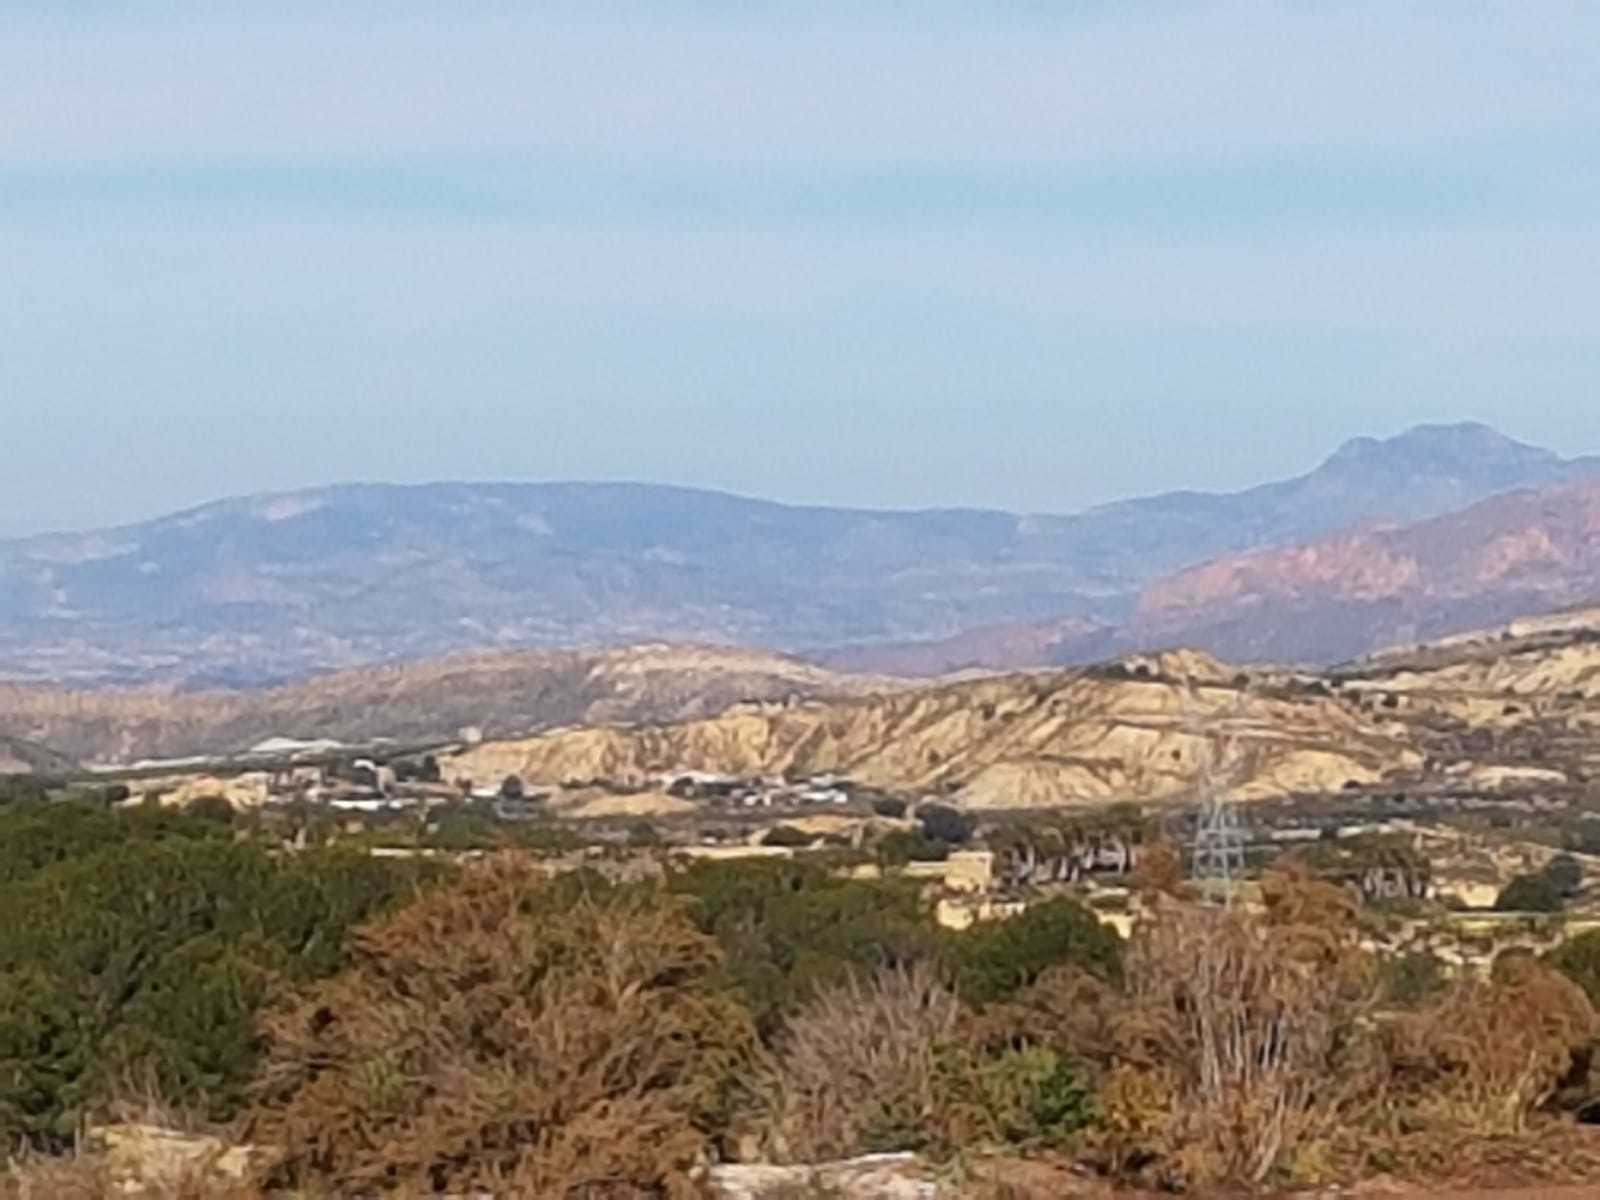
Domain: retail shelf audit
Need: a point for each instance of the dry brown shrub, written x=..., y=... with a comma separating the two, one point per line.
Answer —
x=1160, y=866
x=1297, y=899
x=861, y=1067
x=1066, y=1008
x=895, y=1062
x=1485, y=1056
x=1251, y=1032
x=511, y=1037
x=1236, y=1045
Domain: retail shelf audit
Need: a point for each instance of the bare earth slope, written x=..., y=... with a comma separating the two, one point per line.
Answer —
x=1511, y=709
x=1351, y=593
x=1147, y=729
x=500, y=693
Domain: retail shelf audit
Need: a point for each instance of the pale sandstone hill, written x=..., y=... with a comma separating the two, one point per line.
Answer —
x=1145, y=729
x=501, y=693
x=1542, y=670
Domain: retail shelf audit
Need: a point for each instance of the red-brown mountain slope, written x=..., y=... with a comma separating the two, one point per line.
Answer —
x=1344, y=595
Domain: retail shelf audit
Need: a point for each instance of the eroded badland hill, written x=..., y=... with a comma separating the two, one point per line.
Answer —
x=497, y=693
x=1516, y=708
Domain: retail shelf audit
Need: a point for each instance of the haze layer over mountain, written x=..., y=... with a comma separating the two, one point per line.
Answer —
x=270, y=587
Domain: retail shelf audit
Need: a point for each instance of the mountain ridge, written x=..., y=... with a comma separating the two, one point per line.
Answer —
x=256, y=589
x=1355, y=591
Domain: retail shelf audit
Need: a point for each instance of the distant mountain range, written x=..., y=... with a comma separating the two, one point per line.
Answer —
x=272, y=587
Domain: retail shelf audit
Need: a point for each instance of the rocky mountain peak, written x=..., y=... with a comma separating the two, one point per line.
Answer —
x=1467, y=449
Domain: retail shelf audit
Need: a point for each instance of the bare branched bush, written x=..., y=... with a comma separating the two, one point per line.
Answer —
x=860, y=1066
x=1235, y=1046
x=895, y=1062
x=1251, y=1034
x=511, y=1037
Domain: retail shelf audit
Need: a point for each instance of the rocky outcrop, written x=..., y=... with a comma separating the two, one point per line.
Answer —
x=878, y=1177
x=147, y=1160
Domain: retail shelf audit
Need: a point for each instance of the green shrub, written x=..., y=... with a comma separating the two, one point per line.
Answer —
x=215, y=809
x=464, y=829
x=1565, y=874
x=787, y=927
x=34, y=838
x=544, y=836
x=994, y=960
x=1034, y=1096
x=903, y=846
x=1530, y=894
x=22, y=791
x=644, y=835
x=945, y=824
x=1578, y=959
x=787, y=836
x=146, y=959
x=1409, y=979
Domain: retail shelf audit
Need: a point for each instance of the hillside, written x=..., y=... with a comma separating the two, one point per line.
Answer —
x=1027, y=644
x=1342, y=596
x=500, y=693
x=21, y=757
x=269, y=588
x=1515, y=707
x=1143, y=729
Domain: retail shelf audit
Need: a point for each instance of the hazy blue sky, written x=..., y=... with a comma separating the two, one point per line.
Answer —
x=1032, y=255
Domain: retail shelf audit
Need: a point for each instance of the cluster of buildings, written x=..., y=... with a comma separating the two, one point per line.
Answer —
x=723, y=792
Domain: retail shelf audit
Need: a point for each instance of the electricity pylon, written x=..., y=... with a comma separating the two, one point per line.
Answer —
x=1217, y=862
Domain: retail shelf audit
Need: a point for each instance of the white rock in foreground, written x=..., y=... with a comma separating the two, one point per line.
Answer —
x=876, y=1177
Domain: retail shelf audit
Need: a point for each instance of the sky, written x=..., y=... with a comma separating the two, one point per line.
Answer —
x=1009, y=254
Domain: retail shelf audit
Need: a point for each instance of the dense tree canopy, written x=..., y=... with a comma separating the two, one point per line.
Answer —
x=136, y=949
x=997, y=959
x=787, y=927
